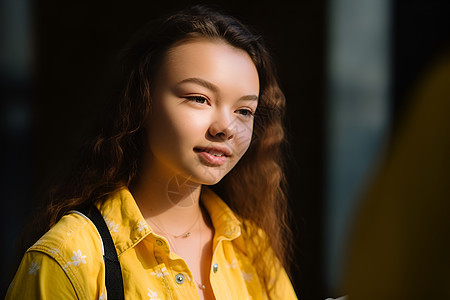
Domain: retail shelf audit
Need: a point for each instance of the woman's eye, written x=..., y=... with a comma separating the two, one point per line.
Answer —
x=197, y=99
x=246, y=112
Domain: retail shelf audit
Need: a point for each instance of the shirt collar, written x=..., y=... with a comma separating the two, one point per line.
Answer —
x=124, y=219
x=128, y=227
x=225, y=222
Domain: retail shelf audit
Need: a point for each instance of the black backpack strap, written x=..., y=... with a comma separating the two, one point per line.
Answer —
x=113, y=273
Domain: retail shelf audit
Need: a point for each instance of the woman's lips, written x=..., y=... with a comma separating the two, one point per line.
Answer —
x=210, y=158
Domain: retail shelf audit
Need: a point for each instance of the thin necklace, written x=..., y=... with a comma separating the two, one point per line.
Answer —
x=184, y=235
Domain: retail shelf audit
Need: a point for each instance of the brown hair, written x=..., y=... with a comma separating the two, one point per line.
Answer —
x=254, y=189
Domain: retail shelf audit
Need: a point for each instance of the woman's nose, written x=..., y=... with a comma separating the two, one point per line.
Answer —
x=223, y=127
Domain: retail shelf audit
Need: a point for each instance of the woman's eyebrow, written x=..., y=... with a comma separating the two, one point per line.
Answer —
x=202, y=82
x=214, y=88
x=249, y=97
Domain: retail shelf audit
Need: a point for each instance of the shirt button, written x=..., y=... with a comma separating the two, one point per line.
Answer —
x=215, y=268
x=179, y=278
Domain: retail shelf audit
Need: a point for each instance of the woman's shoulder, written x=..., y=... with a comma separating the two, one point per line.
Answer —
x=69, y=255
x=71, y=234
x=75, y=245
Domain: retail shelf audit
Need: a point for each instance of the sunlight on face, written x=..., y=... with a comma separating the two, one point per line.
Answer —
x=203, y=102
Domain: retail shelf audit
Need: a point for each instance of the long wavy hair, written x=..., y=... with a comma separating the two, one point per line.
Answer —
x=256, y=187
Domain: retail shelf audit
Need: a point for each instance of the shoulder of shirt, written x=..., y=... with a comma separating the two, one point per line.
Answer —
x=71, y=231
x=74, y=243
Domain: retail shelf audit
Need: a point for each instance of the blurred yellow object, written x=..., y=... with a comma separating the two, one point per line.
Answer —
x=400, y=245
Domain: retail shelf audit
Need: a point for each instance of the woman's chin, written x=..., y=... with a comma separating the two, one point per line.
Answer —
x=191, y=180
x=211, y=177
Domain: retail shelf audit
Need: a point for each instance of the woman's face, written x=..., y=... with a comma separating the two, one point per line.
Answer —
x=203, y=101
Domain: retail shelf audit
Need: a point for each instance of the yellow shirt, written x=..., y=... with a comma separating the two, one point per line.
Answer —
x=67, y=262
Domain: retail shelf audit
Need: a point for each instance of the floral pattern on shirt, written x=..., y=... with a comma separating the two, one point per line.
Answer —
x=160, y=274
x=152, y=295
x=78, y=258
x=233, y=264
x=34, y=267
x=247, y=276
x=112, y=226
x=141, y=226
x=53, y=250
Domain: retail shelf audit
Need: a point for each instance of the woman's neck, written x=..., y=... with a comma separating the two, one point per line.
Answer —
x=167, y=199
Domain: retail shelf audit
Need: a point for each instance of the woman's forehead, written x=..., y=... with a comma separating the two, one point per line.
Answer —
x=213, y=61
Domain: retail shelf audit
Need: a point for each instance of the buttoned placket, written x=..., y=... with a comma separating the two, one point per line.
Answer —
x=214, y=272
x=162, y=250
x=179, y=273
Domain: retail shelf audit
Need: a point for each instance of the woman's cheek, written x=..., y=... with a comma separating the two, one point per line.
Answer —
x=243, y=137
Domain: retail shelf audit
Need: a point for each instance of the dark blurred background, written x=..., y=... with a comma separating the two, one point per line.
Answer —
x=346, y=67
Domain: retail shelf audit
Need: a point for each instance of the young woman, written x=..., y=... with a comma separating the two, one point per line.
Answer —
x=187, y=175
